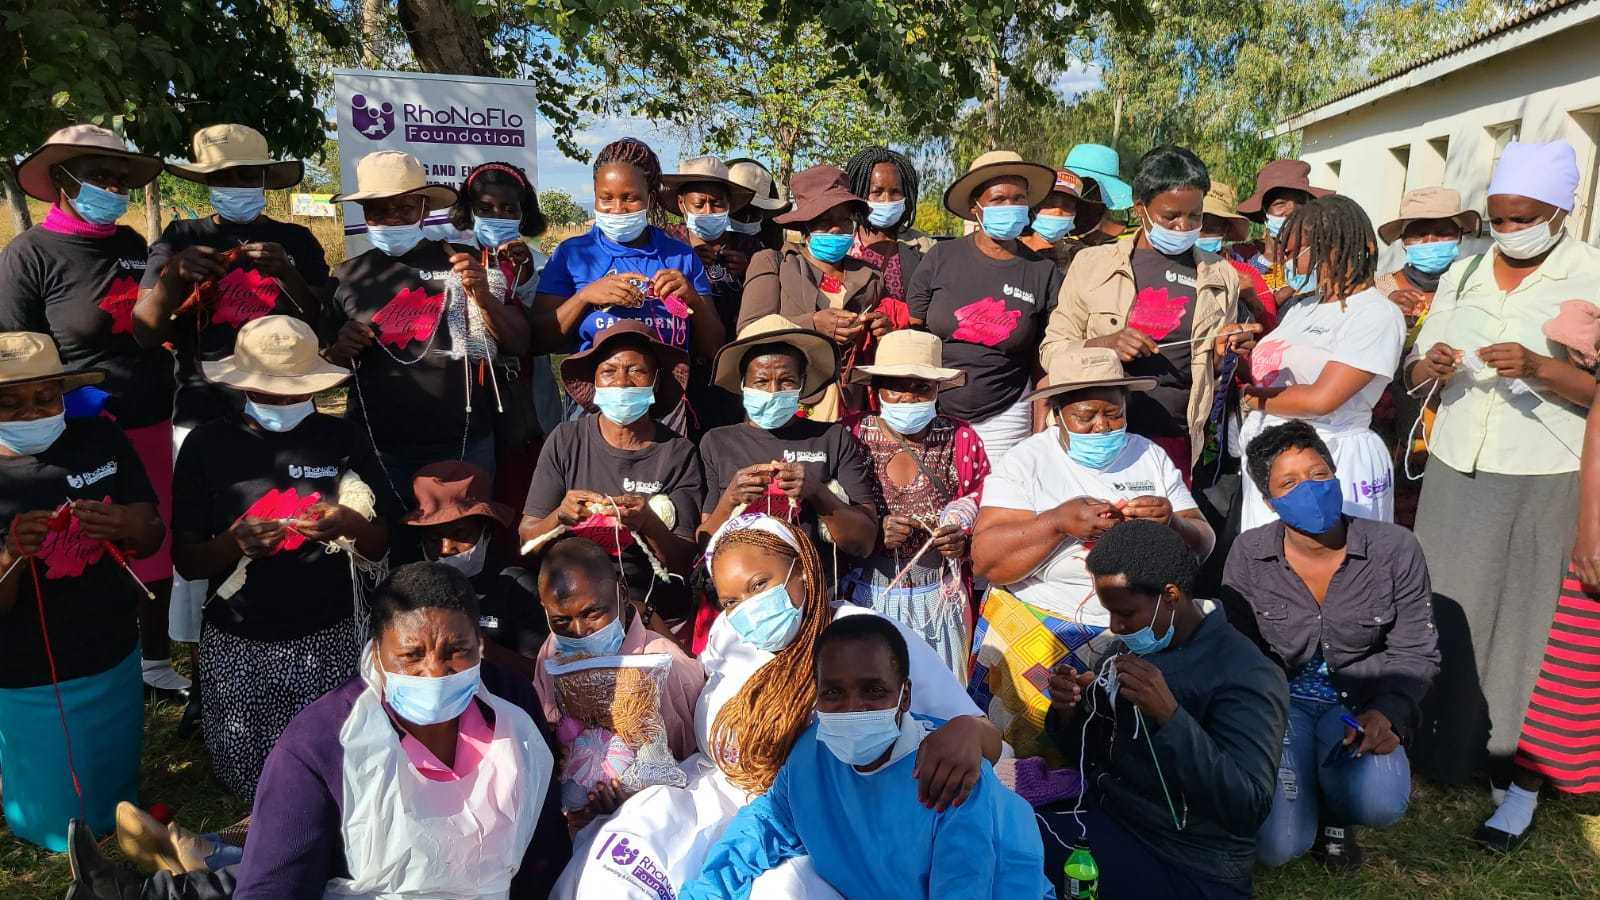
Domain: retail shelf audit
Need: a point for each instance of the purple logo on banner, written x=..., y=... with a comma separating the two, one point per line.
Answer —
x=374, y=120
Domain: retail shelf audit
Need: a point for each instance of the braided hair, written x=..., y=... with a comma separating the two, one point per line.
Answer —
x=754, y=731
x=1344, y=250
x=636, y=153
x=499, y=174
x=859, y=171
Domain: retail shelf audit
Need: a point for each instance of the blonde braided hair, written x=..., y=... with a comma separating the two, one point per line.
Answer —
x=753, y=732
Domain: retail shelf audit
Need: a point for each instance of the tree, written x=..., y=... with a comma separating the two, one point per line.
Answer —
x=560, y=210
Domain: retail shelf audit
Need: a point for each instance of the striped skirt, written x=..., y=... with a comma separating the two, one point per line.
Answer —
x=1561, y=732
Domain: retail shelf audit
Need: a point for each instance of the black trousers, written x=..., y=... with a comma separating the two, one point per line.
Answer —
x=216, y=885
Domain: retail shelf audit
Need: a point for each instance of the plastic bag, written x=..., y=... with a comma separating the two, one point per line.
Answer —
x=616, y=702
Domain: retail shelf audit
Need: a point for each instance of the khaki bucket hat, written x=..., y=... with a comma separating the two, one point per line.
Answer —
x=1087, y=367
x=221, y=147
x=276, y=355
x=27, y=357
x=700, y=170
x=910, y=354
x=766, y=196
x=391, y=173
x=1223, y=203
x=1430, y=203
x=822, y=360
x=33, y=173
x=998, y=164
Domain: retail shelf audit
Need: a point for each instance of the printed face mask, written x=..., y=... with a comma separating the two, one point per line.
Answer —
x=860, y=737
x=770, y=410
x=279, y=419
x=768, y=620
x=239, y=205
x=885, y=213
x=33, y=436
x=428, y=701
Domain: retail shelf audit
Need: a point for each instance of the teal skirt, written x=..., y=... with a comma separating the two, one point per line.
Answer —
x=105, y=717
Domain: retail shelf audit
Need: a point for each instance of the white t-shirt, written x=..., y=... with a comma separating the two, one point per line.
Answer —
x=1367, y=335
x=1037, y=475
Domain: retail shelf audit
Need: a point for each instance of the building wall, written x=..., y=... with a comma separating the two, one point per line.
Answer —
x=1449, y=131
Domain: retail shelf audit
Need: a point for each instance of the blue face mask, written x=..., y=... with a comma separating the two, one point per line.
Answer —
x=706, y=226
x=768, y=620
x=1432, y=257
x=239, y=205
x=1096, y=450
x=32, y=436
x=1052, y=227
x=428, y=701
x=395, y=240
x=1004, y=223
x=738, y=227
x=492, y=234
x=624, y=405
x=606, y=641
x=1300, y=284
x=908, y=418
x=279, y=418
x=860, y=737
x=1144, y=641
x=1275, y=224
x=1210, y=244
x=1170, y=241
x=885, y=214
x=770, y=410
x=622, y=227
x=97, y=205
x=829, y=247
x=1311, y=507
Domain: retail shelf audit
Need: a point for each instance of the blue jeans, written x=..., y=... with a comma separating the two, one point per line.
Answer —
x=1372, y=790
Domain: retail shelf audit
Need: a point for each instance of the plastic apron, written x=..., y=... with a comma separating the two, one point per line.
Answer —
x=408, y=837
x=659, y=839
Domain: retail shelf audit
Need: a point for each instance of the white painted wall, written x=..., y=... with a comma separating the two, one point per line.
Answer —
x=1546, y=90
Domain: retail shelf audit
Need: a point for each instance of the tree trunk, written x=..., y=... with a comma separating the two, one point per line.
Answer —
x=445, y=37
x=15, y=198
x=991, y=103
x=152, y=211
x=373, y=13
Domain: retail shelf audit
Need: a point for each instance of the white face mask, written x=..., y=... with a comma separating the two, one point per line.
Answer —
x=471, y=562
x=1528, y=242
x=279, y=419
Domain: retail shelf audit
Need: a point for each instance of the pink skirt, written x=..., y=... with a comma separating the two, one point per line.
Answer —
x=153, y=445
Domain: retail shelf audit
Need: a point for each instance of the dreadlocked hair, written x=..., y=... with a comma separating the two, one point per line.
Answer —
x=1344, y=250
x=859, y=171
x=754, y=730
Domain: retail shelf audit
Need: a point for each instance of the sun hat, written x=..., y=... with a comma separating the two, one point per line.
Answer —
x=1087, y=367
x=753, y=176
x=1428, y=203
x=453, y=490
x=275, y=355
x=1544, y=172
x=910, y=354
x=1100, y=164
x=1221, y=202
x=700, y=170
x=822, y=360
x=998, y=164
x=1289, y=174
x=390, y=173
x=817, y=190
x=33, y=173
x=27, y=357
x=221, y=147
x=578, y=369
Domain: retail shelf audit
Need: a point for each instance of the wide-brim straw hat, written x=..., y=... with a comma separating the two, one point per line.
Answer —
x=27, y=357
x=218, y=148
x=753, y=176
x=391, y=173
x=33, y=173
x=822, y=360
x=817, y=190
x=579, y=367
x=453, y=490
x=275, y=355
x=1430, y=203
x=910, y=354
x=1087, y=367
x=1101, y=165
x=703, y=170
x=1222, y=202
x=1288, y=174
x=1041, y=180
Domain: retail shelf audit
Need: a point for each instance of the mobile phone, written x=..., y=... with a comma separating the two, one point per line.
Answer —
x=1342, y=752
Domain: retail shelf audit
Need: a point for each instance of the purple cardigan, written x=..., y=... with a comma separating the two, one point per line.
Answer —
x=295, y=843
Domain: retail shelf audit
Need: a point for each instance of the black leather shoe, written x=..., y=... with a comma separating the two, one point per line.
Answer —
x=1501, y=841
x=93, y=876
x=1337, y=849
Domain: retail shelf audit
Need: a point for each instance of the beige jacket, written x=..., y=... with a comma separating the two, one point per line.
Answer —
x=1098, y=292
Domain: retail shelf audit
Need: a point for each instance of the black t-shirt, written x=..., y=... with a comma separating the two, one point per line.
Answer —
x=828, y=451
x=991, y=315
x=243, y=295
x=89, y=599
x=412, y=391
x=577, y=457
x=228, y=468
x=81, y=292
x=1163, y=308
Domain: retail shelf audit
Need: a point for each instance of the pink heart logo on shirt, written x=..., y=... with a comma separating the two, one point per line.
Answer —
x=118, y=303
x=1157, y=312
x=244, y=295
x=1266, y=360
x=276, y=504
x=411, y=315
x=986, y=322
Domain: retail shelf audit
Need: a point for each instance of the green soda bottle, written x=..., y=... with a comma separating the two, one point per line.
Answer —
x=1082, y=876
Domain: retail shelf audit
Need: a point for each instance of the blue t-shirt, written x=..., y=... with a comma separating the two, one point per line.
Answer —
x=582, y=260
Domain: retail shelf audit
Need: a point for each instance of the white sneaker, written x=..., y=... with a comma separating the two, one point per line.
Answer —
x=159, y=675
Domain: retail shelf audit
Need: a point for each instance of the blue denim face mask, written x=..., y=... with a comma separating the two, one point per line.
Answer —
x=770, y=410
x=395, y=240
x=239, y=205
x=624, y=405
x=1210, y=244
x=1432, y=257
x=885, y=214
x=1275, y=224
x=97, y=205
x=428, y=701
x=606, y=641
x=1144, y=641
x=768, y=620
x=1311, y=507
x=829, y=247
x=706, y=226
x=1096, y=450
x=32, y=436
x=857, y=738
x=1052, y=227
x=908, y=418
x=1004, y=223
x=622, y=227
x=492, y=234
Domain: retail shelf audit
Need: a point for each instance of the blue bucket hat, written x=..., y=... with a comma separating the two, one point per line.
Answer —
x=1099, y=164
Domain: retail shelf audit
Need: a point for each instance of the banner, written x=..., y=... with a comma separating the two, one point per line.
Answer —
x=312, y=205
x=450, y=123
